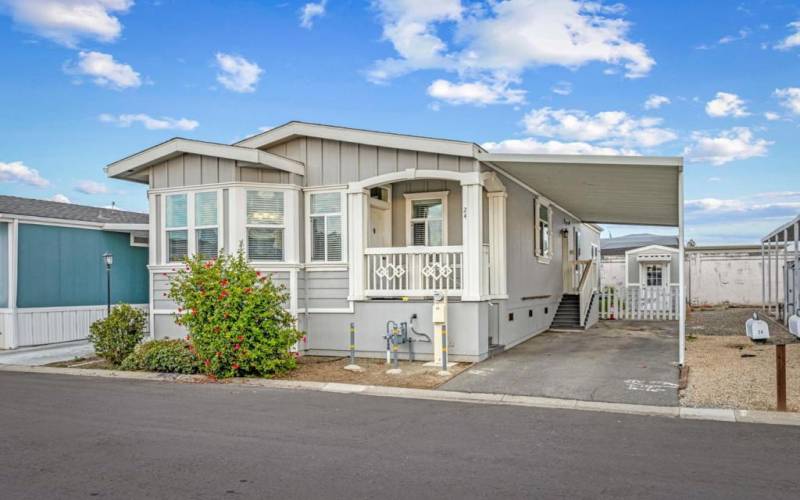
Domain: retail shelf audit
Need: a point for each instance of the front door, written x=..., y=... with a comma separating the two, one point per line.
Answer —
x=566, y=263
x=380, y=227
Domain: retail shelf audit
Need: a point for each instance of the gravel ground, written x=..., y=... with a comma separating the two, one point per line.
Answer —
x=325, y=369
x=729, y=371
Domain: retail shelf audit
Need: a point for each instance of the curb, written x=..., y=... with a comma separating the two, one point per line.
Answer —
x=708, y=414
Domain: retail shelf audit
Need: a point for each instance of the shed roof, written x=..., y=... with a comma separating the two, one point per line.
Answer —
x=620, y=245
x=31, y=207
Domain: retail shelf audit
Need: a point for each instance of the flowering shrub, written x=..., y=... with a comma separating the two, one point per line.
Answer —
x=115, y=336
x=171, y=356
x=235, y=317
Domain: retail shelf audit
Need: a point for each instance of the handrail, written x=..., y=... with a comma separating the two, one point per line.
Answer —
x=586, y=290
x=412, y=250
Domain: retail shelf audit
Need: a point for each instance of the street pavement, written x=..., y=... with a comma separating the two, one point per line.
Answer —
x=79, y=437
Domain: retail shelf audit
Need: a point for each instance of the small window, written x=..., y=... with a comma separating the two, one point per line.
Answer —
x=655, y=275
x=177, y=228
x=542, y=233
x=427, y=223
x=325, y=217
x=265, y=225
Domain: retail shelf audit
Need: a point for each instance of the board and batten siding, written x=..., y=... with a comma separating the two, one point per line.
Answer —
x=161, y=282
x=196, y=170
x=330, y=162
x=40, y=326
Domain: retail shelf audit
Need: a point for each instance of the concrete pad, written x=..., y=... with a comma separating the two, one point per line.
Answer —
x=614, y=361
x=44, y=355
x=719, y=414
x=767, y=417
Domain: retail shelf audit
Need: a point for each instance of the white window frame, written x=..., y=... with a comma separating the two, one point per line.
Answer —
x=343, y=222
x=543, y=257
x=433, y=195
x=190, y=223
x=282, y=226
x=665, y=273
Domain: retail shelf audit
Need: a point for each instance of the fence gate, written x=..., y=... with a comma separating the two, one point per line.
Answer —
x=640, y=303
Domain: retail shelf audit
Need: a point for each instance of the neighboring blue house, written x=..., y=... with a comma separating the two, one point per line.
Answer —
x=52, y=275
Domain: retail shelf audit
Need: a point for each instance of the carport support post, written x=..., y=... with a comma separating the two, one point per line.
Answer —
x=681, y=278
x=780, y=375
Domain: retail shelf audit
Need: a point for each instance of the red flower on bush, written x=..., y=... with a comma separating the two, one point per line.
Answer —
x=235, y=366
x=236, y=347
x=224, y=282
x=248, y=290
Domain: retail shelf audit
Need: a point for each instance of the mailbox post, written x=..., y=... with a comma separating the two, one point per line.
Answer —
x=439, y=317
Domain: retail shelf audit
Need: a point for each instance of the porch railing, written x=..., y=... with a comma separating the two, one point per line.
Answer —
x=640, y=303
x=413, y=271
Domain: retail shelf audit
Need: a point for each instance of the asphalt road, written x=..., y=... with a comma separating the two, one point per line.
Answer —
x=76, y=437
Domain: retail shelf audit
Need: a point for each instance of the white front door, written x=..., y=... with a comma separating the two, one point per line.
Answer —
x=380, y=227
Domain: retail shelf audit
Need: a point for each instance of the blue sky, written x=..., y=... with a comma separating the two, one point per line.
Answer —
x=86, y=82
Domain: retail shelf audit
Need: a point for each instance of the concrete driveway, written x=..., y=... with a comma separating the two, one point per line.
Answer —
x=614, y=361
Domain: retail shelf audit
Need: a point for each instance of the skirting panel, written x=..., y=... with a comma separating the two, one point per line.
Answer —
x=50, y=325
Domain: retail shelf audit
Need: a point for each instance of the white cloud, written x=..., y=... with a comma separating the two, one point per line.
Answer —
x=150, y=123
x=479, y=93
x=737, y=143
x=792, y=40
x=613, y=128
x=562, y=88
x=772, y=116
x=310, y=11
x=61, y=198
x=740, y=35
x=714, y=179
x=655, y=101
x=726, y=104
x=16, y=171
x=790, y=98
x=105, y=71
x=238, y=74
x=533, y=146
x=502, y=39
x=67, y=21
x=91, y=187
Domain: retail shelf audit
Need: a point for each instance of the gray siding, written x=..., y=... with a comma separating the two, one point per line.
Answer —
x=164, y=327
x=334, y=162
x=326, y=289
x=196, y=170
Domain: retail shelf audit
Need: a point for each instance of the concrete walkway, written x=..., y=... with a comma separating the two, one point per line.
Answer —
x=615, y=361
x=46, y=354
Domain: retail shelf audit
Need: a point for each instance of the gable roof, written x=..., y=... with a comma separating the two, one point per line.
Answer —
x=294, y=129
x=15, y=205
x=618, y=246
x=129, y=167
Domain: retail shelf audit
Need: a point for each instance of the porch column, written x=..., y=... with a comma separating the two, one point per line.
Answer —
x=472, y=201
x=357, y=227
x=497, y=243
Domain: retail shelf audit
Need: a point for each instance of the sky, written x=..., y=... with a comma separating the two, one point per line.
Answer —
x=87, y=82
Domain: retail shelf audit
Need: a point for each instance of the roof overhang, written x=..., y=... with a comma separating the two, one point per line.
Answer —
x=784, y=233
x=637, y=190
x=133, y=167
x=125, y=228
x=295, y=129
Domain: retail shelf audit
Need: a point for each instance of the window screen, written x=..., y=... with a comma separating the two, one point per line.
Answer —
x=176, y=211
x=205, y=209
x=177, y=245
x=206, y=243
x=326, y=227
x=265, y=207
x=265, y=243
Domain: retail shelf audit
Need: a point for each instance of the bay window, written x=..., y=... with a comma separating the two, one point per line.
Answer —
x=325, y=225
x=191, y=225
x=265, y=225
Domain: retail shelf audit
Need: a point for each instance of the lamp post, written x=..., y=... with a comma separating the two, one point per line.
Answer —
x=108, y=259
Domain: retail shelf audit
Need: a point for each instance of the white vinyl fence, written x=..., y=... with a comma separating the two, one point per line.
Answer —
x=639, y=303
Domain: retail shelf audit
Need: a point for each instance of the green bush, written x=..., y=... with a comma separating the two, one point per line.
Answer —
x=236, y=317
x=115, y=336
x=171, y=356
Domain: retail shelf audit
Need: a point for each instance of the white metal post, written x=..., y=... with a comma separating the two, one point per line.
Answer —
x=785, y=282
x=777, y=280
x=681, y=264
x=763, y=280
x=769, y=276
x=796, y=293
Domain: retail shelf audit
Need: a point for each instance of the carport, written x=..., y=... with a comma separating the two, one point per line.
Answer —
x=634, y=190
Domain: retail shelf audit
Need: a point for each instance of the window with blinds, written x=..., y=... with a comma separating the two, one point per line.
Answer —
x=206, y=224
x=265, y=221
x=325, y=221
x=176, y=222
x=427, y=223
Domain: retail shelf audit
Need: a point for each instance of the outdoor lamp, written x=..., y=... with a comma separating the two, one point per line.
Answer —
x=108, y=258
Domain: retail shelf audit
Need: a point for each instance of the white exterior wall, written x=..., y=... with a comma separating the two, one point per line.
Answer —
x=612, y=271
x=719, y=277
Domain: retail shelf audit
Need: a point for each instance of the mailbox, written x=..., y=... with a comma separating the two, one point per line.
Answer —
x=757, y=329
x=794, y=325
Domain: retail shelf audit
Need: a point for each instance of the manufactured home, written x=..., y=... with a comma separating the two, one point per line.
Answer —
x=53, y=280
x=365, y=227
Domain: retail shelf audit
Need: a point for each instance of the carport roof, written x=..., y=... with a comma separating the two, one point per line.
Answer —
x=642, y=190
